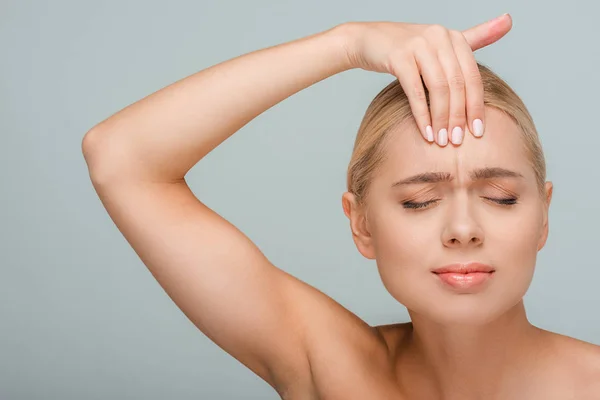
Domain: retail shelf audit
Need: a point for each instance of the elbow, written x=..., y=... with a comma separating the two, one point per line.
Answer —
x=99, y=155
x=112, y=158
x=88, y=146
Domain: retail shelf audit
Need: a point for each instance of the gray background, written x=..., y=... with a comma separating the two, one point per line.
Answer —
x=82, y=318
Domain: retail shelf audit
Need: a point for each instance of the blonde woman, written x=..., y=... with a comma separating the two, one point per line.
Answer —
x=453, y=216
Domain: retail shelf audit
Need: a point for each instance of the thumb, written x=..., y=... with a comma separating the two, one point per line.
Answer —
x=488, y=32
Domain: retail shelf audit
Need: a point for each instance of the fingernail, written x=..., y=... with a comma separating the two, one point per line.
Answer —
x=429, y=132
x=457, y=135
x=478, y=127
x=443, y=137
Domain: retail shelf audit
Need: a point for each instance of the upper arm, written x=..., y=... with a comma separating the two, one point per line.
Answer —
x=216, y=276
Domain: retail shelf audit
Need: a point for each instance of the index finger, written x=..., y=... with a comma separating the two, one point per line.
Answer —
x=474, y=92
x=488, y=32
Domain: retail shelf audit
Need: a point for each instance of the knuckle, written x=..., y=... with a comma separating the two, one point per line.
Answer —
x=440, y=85
x=473, y=75
x=457, y=82
x=418, y=93
x=422, y=115
x=437, y=30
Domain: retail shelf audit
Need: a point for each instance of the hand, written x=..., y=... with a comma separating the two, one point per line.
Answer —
x=445, y=60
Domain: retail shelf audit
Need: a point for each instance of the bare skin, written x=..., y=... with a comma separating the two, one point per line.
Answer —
x=299, y=340
x=467, y=344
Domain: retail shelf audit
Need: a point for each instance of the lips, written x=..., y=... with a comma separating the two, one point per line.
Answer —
x=463, y=268
x=465, y=277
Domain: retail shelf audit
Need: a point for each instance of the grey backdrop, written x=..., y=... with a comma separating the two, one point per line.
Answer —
x=82, y=318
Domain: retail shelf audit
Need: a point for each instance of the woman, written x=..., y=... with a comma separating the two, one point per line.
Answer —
x=454, y=229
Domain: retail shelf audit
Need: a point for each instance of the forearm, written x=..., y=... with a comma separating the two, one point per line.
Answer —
x=162, y=136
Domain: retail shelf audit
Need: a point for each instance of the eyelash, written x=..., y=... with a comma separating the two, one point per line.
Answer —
x=511, y=201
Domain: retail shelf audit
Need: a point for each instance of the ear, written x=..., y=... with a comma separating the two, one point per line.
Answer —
x=548, y=198
x=358, y=225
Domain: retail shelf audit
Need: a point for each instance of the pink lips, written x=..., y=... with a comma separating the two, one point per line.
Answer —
x=465, y=276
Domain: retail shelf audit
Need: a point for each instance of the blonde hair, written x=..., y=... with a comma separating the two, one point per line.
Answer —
x=391, y=108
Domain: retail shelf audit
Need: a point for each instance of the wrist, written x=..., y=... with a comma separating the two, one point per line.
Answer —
x=346, y=35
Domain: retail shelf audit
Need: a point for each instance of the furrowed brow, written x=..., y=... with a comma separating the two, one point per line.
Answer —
x=478, y=174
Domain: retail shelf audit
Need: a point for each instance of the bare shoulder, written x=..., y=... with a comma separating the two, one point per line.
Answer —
x=581, y=353
x=580, y=361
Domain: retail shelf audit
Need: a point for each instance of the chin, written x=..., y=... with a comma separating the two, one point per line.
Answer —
x=465, y=310
x=475, y=306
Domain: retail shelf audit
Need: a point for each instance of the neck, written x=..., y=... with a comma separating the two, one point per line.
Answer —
x=467, y=361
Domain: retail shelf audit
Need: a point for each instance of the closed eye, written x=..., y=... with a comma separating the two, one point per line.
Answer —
x=509, y=201
x=415, y=205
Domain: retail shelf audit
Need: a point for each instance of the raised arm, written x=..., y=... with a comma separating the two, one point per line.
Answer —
x=223, y=283
x=138, y=158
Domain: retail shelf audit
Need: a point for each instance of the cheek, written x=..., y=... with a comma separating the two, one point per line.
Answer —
x=512, y=248
x=403, y=255
x=515, y=236
x=402, y=242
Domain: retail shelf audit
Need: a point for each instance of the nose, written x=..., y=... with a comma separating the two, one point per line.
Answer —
x=462, y=228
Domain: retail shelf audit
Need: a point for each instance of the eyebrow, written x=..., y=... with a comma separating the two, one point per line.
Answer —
x=477, y=174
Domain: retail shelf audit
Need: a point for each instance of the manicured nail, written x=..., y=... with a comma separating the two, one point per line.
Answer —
x=457, y=135
x=478, y=127
x=429, y=132
x=443, y=137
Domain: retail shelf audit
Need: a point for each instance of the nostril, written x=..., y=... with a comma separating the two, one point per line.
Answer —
x=476, y=241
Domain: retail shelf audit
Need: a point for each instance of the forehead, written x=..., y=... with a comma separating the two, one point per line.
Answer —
x=502, y=145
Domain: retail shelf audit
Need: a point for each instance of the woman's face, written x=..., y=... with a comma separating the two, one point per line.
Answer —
x=467, y=220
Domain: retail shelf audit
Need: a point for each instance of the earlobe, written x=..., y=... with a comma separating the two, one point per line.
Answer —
x=347, y=200
x=549, y=191
x=545, y=225
x=544, y=235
